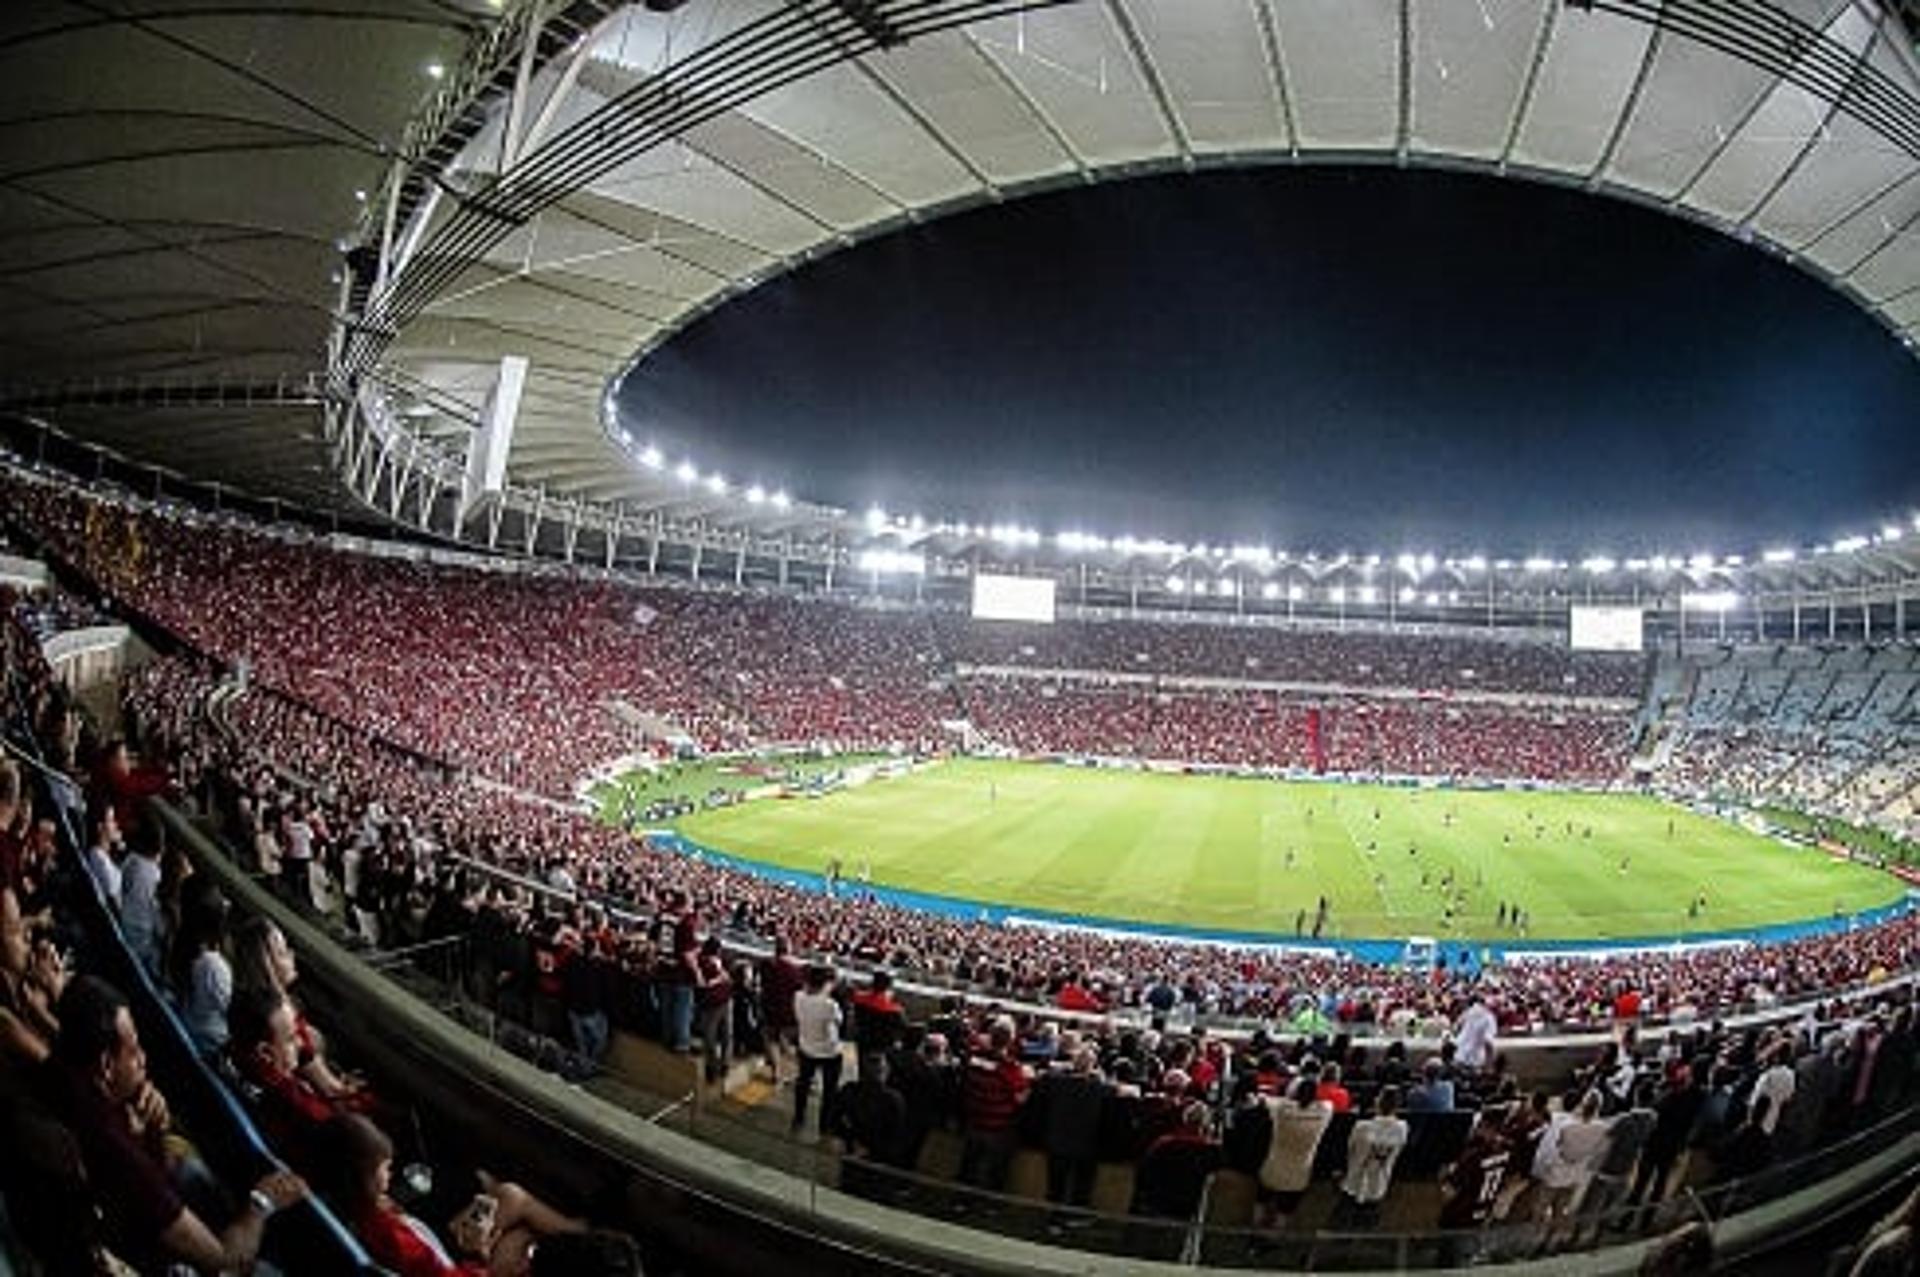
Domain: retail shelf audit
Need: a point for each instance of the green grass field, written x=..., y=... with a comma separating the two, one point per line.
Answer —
x=1213, y=852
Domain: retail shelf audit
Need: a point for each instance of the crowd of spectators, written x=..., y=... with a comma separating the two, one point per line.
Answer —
x=1264, y=729
x=1352, y=658
x=534, y=679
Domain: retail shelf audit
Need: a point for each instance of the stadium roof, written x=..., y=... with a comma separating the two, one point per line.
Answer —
x=574, y=181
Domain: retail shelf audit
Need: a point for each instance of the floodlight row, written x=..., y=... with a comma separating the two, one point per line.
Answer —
x=1419, y=566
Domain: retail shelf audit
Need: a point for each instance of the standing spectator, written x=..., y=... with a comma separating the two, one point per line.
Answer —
x=1474, y=1035
x=1625, y=1143
x=780, y=979
x=1674, y=1116
x=715, y=995
x=1564, y=1163
x=1373, y=1149
x=1071, y=1102
x=1174, y=1170
x=817, y=1024
x=1298, y=1122
x=993, y=1088
x=1774, y=1085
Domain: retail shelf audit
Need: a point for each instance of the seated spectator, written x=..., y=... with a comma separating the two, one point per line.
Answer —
x=262, y=959
x=97, y=1082
x=103, y=853
x=203, y=978
x=1433, y=1093
x=265, y=1052
x=495, y=1233
x=32, y=976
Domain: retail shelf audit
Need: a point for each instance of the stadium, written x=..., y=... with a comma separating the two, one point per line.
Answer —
x=548, y=731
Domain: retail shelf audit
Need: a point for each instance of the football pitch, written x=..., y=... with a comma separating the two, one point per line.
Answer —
x=1250, y=855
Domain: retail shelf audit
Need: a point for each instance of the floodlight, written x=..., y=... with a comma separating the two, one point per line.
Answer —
x=1427, y=564
x=1336, y=594
x=1504, y=565
x=876, y=519
x=1890, y=533
x=1271, y=590
x=1599, y=564
x=435, y=70
x=1407, y=563
x=1636, y=565
x=1475, y=564
x=1226, y=588
x=1538, y=565
x=650, y=458
x=1408, y=594
x=756, y=495
x=1367, y=594
x=360, y=195
x=780, y=500
x=1847, y=545
x=1701, y=563
x=1778, y=556
x=1433, y=598
x=716, y=484
x=686, y=473
x=1177, y=584
x=1660, y=563
x=1734, y=560
x=1711, y=601
x=1295, y=593
x=1252, y=554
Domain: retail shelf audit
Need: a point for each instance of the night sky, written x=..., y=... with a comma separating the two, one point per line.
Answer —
x=1369, y=359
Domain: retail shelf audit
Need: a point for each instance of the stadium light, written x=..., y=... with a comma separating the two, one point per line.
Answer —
x=1734, y=560
x=435, y=70
x=1476, y=563
x=1701, y=563
x=1778, y=556
x=1658, y=563
x=1251, y=554
x=1270, y=591
x=1433, y=598
x=1178, y=584
x=1226, y=588
x=1408, y=594
x=781, y=500
x=756, y=495
x=685, y=472
x=1599, y=565
x=1336, y=594
x=650, y=457
x=1847, y=545
x=1295, y=593
x=1711, y=600
x=1367, y=594
x=716, y=484
x=1538, y=565
x=1407, y=563
x=876, y=519
x=1890, y=533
